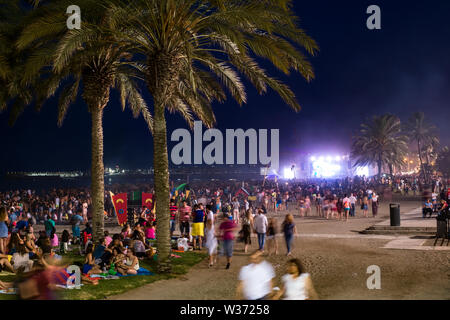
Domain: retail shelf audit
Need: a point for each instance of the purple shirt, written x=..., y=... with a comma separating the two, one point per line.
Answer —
x=228, y=229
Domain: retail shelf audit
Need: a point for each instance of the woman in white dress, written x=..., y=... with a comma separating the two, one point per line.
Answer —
x=297, y=284
x=211, y=241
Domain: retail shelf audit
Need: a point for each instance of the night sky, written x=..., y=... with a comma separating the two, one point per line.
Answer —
x=401, y=69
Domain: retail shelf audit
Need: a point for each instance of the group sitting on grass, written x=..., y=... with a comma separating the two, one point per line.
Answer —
x=26, y=256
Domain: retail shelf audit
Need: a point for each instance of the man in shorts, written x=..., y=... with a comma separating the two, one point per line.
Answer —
x=198, y=226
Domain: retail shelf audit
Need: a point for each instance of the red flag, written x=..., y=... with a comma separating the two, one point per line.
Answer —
x=120, y=205
x=147, y=200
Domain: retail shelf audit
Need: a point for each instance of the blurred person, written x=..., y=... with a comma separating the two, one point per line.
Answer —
x=227, y=229
x=289, y=230
x=272, y=230
x=211, y=242
x=296, y=284
x=256, y=279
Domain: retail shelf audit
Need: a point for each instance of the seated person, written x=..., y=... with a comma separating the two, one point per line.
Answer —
x=126, y=231
x=31, y=247
x=138, y=229
x=54, y=241
x=130, y=265
x=427, y=208
x=5, y=264
x=99, y=249
x=14, y=242
x=21, y=258
x=138, y=245
x=117, y=258
x=108, y=239
x=108, y=253
x=42, y=239
x=89, y=266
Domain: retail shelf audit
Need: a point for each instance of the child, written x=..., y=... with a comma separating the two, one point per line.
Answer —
x=108, y=239
x=150, y=231
x=54, y=238
x=64, y=242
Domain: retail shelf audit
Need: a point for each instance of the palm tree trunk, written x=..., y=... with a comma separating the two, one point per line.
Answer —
x=97, y=174
x=161, y=174
x=421, y=161
x=380, y=165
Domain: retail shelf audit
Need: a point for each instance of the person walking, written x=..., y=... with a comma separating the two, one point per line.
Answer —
x=271, y=237
x=353, y=205
x=247, y=227
x=374, y=205
x=296, y=284
x=211, y=241
x=256, y=279
x=261, y=225
x=289, y=230
x=347, y=207
x=227, y=228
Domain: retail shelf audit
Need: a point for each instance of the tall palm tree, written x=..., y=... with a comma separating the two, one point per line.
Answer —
x=191, y=50
x=425, y=134
x=380, y=142
x=71, y=60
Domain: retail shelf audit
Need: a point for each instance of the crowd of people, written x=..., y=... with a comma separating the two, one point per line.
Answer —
x=215, y=215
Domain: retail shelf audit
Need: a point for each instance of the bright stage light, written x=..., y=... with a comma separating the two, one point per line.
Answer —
x=313, y=158
x=362, y=171
x=338, y=158
x=326, y=169
x=288, y=173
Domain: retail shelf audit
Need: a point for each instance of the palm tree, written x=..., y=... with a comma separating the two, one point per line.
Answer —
x=191, y=50
x=425, y=134
x=380, y=142
x=12, y=93
x=73, y=58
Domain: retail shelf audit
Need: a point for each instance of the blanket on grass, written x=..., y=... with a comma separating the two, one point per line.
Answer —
x=140, y=272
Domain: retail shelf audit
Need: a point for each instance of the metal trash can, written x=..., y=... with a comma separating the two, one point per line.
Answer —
x=442, y=228
x=395, y=214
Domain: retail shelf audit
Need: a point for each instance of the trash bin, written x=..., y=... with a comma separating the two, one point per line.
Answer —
x=395, y=214
x=442, y=228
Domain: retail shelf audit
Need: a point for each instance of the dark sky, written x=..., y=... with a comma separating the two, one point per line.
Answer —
x=403, y=68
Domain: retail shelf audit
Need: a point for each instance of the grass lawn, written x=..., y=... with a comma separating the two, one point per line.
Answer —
x=112, y=287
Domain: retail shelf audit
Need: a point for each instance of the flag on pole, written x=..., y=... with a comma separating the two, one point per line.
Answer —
x=147, y=200
x=120, y=206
